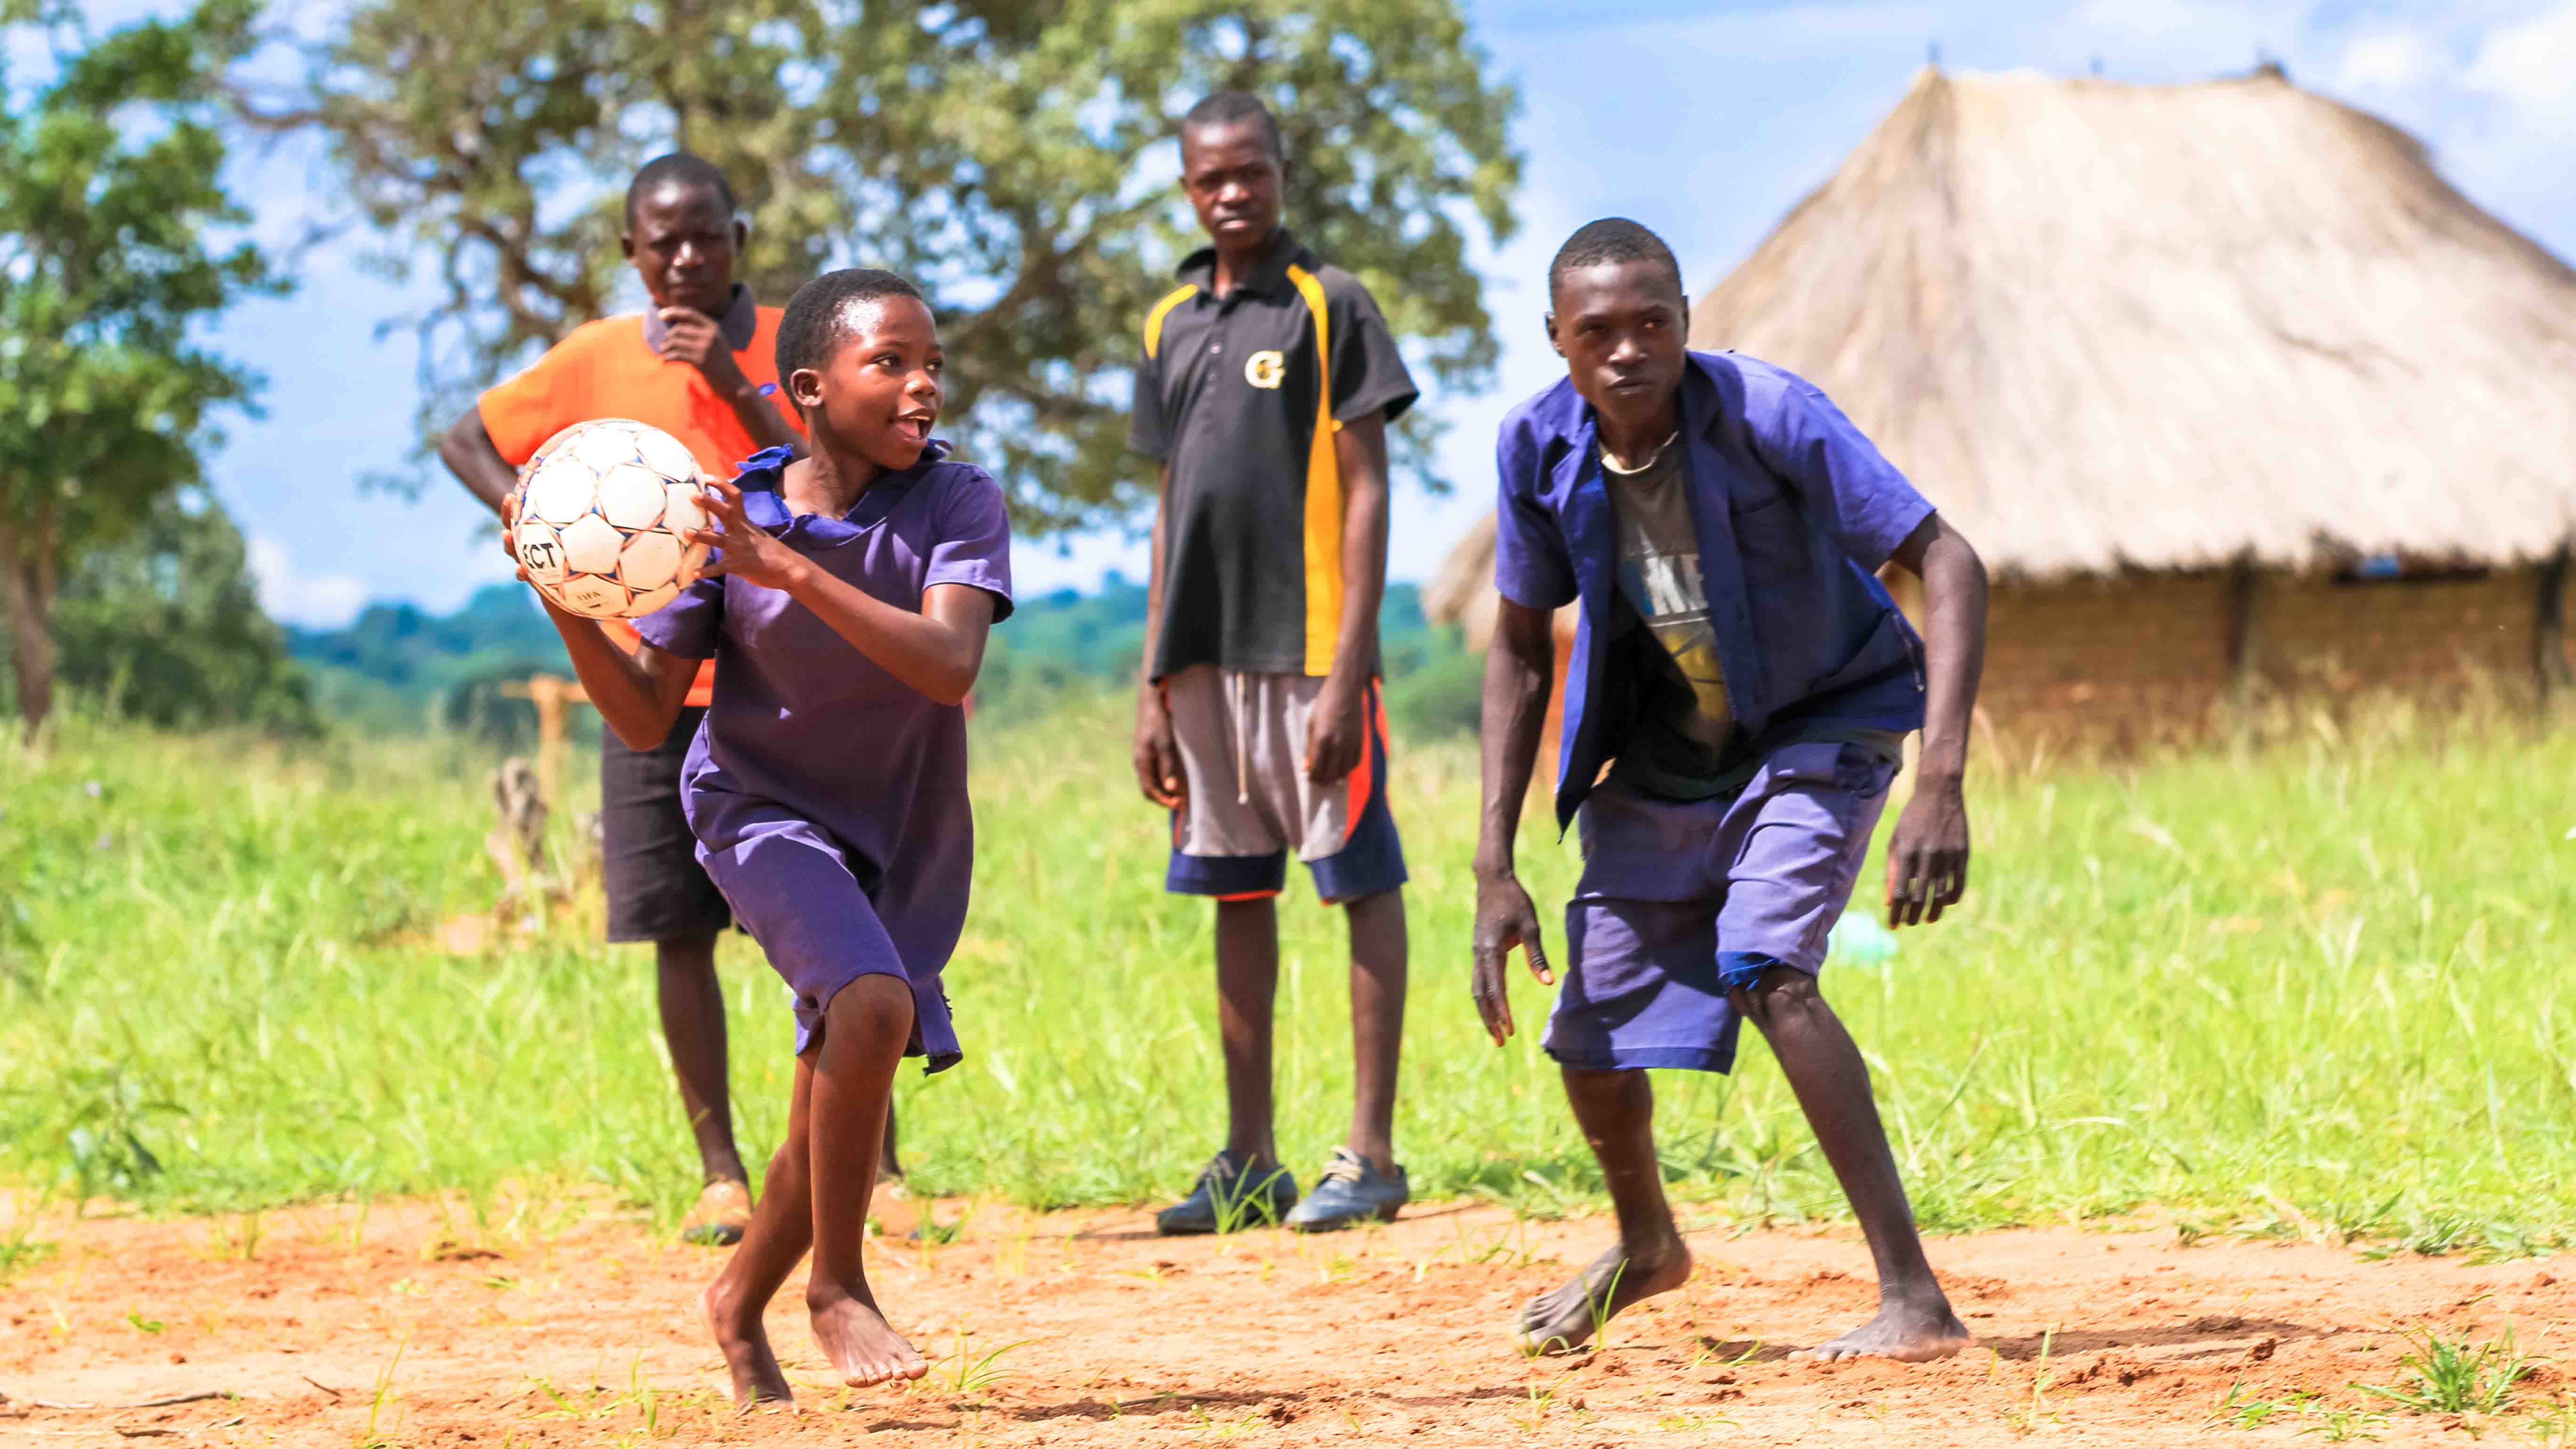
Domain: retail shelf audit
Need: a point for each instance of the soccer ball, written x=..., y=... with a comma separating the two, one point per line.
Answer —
x=604, y=512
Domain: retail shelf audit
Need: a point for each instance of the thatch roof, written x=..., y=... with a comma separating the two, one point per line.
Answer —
x=2107, y=325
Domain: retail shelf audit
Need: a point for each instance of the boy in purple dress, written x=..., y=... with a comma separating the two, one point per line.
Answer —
x=847, y=614
x=1739, y=690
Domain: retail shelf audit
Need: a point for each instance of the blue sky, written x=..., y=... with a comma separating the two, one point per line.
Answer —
x=1705, y=121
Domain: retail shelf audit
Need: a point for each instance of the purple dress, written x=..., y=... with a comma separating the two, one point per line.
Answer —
x=828, y=796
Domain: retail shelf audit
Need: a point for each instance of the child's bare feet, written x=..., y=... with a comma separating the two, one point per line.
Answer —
x=859, y=1342
x=1907, y=1331
x=1565, y=1318
x=757, y=1378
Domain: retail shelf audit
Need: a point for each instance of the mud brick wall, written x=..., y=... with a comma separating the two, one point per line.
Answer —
x=2403, y=634
x=2148, y=658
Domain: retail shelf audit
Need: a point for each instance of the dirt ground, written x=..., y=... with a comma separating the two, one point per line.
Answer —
x=413, y=1325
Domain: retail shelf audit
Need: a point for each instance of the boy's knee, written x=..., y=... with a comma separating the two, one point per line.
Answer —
x=1778, y=992
x=872, y=1002
x=1392, y=898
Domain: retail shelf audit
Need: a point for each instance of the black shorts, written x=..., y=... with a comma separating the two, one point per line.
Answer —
x=657, y=891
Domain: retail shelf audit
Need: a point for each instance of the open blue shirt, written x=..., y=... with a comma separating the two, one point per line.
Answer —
x=1794, y=511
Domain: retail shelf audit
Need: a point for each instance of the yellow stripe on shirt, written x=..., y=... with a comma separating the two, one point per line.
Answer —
x=1162, y=309
x=1323, y=498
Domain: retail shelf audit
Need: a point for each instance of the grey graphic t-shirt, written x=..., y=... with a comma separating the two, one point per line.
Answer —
x=1679, y=747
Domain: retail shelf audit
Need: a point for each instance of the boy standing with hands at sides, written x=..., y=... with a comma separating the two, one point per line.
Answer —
x=853, y=591
x=1264, y=391
x=1748, y=684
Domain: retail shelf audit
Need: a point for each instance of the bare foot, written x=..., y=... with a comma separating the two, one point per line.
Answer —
x=1909, y=1332
x=856, y=1338
x=757, y=1378
x=1565, y=1318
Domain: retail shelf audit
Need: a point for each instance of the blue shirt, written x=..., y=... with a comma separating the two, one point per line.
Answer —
x=1794, y=510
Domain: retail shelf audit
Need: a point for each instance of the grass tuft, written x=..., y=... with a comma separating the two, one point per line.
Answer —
x=2457, y=1375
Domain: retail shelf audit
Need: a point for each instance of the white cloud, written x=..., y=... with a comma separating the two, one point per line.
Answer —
x=317, y=601
x=2391, y=58
x=2533, y=64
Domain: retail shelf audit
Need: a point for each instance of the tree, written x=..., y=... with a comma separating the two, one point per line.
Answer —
x=109, y=181
x=1008, y=154
x=164, y=626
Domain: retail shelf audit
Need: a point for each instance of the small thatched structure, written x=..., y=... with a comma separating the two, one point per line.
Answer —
x=2222, y=379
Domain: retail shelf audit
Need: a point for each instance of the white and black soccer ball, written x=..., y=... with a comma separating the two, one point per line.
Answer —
x=604, y=512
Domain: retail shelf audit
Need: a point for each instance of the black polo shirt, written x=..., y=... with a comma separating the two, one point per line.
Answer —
x=1232, y=394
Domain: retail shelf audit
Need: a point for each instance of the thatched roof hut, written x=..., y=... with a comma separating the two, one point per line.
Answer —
x=2115, y=328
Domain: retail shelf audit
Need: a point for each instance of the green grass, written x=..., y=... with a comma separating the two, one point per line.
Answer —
x=2310, y=990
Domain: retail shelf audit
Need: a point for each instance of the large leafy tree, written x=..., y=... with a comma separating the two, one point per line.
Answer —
x=1013, y=155
x=109, y=184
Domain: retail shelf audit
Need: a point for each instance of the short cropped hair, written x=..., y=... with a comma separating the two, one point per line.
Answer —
x=1611, y=239
x=679, y=168
x=817, y=317
x=1232, y=108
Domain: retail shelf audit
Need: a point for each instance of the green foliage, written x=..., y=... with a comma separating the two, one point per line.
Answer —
x=164, y=626
x=399, y=668
x=2313, y=1007
x=1015, y=158
x=109, y=182
x=1067, y=647
x=2457, y=1376
x=1435, y=689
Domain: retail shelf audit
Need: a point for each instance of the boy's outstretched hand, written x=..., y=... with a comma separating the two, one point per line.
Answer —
x=750, y=553
x=1927, y=858
x=1505, y=918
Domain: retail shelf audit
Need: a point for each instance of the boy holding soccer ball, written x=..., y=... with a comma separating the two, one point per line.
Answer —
x=853, y=590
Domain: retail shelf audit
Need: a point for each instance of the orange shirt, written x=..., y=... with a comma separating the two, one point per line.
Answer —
x=606, y=369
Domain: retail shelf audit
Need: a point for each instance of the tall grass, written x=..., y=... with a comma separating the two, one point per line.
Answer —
x=2309, y=987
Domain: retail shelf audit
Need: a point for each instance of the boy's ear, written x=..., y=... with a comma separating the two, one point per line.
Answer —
x=805, y=388
x=1549, y=320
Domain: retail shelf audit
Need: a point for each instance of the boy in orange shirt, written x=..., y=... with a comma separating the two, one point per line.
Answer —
x=700, y=364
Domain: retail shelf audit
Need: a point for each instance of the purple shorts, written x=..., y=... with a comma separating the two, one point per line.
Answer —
x=814, y=909
x=1682, y=901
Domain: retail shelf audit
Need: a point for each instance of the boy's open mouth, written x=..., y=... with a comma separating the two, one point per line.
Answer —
x=914, y=427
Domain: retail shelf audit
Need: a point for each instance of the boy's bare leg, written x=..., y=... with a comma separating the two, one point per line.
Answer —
x=864, y=1032
x=890, y=1165
x=1616, y=1111
x=782, y=1227
x=693, y=1027
x=1247, y=987
x=1825, y=1069
x=1378, y=968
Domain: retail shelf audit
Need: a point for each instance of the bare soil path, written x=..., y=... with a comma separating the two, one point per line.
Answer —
x=408, y=1324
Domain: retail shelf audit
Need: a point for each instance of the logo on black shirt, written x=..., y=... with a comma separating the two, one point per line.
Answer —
x=1265, y=369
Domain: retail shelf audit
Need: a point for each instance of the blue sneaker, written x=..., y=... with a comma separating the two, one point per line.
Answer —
x=1229, y=1197
x=1350, y=1192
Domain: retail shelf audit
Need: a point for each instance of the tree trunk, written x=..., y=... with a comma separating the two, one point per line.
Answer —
x=27, y=608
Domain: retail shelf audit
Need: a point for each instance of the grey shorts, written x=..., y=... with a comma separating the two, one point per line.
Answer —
x=1242, y=739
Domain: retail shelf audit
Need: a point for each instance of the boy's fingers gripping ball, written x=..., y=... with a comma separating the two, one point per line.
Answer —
x=603, y=517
